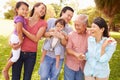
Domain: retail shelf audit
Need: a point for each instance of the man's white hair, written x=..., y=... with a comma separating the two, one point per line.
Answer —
x=82, y=18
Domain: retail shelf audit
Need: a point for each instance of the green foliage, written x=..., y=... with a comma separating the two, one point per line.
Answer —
x=114, y=62
x=57, y=9
x=110, y=8
x=50, y=12
x=117, y=18
x=9, y=14
x=4, y=53
x=11, y=4
x=92, y=12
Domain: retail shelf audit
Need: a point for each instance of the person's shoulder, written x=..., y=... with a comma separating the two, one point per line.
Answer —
x=112, y=41
x=68, y=26
x=52, y=19
x=91, y=38
x=18, y=19
x=42, y=23
x=51, y=23
x=42, y=20
x=72, y=33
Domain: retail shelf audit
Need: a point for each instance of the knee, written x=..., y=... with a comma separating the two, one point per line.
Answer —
x=43, y=77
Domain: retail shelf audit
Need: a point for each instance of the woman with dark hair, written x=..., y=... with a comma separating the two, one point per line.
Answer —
x=35, y=28
x=99, y=52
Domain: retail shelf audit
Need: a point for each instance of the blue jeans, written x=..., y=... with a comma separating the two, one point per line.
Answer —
x=48, y=69
x=28, y=59
x=72, y=75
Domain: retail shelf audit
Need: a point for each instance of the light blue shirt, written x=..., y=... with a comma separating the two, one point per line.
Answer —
x=67, y=29
x=96, y=65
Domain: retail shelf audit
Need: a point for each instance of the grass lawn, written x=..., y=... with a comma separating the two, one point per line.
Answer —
x=114, y=62
x=5, y=52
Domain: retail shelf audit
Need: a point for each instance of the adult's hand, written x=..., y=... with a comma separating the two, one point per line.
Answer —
x=15, y=46
x=80, y=56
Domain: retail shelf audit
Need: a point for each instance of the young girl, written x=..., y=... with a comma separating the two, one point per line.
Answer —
x=53, y=42
x=99, y=53
x=21, y=10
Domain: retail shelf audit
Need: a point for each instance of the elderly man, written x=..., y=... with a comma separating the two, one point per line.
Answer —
x=76, y=48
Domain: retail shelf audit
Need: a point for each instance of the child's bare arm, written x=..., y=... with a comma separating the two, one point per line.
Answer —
x=19, y=26
x=63, y=38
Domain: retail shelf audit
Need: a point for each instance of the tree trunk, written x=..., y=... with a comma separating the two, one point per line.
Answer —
x=111, y=25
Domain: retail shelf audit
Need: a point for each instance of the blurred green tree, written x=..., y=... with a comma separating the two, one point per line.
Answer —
x=57, y=9
x=110, y=8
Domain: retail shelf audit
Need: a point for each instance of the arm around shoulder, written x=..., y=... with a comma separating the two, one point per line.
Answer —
x=109, y=50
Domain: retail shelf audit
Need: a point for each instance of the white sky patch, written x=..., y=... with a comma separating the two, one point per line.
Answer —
x=86, y=3
x=82, y=4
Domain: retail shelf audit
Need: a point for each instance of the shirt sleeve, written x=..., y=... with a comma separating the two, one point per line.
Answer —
x=89, y=46
x=18, y=19
x=69, y=44
x=58, y=49
x=110, y=49
x=69, y=29
x=51, y=23
x=44, y=24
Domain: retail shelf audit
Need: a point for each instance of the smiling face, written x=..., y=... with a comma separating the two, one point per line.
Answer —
x=67, y=16
x=59, y=27
x=80, y=23
x=80, y=26
x=41, y=10
x=96, y=31
x=22, y=10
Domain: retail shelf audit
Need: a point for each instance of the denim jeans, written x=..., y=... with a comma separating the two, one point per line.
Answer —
x=28, y=59
x=72, y=75
x=48, y=69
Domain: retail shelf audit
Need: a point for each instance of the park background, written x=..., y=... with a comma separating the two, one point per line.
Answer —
x=108, y=9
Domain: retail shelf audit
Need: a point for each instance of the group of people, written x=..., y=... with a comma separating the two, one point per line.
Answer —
x=85, y=53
